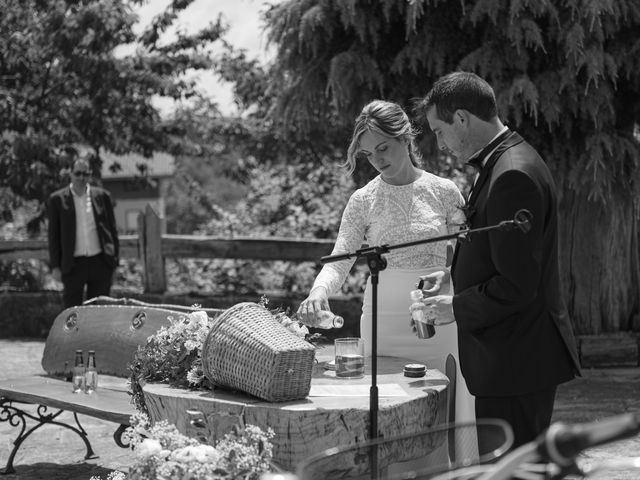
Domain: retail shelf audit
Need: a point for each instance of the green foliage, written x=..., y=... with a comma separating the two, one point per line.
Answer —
x=173, y=354
x=63, y=84
x=567, y=75
x=303, y=200
x=20, y=274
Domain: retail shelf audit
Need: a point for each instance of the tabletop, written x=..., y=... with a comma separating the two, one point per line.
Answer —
x=335, y=413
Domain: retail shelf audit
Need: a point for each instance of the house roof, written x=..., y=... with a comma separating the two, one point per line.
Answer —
x=160, y=165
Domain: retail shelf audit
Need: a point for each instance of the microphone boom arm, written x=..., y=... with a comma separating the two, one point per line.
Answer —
x=520, y=220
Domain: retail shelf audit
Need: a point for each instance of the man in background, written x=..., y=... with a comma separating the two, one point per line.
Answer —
x=83, y=240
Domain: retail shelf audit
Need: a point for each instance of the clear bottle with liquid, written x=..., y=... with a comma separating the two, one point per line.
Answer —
x=78, y=373
x=417, y=307
x=424, y=325
x=326, y=319
x=91, y=374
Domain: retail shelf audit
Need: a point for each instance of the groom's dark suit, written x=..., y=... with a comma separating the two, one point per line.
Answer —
x=514, y=333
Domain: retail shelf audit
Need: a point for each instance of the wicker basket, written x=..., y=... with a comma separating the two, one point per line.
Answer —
x=248, y=350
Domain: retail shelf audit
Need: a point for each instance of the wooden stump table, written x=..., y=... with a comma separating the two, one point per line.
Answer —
x=336, y=412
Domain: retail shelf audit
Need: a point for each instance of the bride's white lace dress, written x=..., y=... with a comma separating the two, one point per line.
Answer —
x=379, y=214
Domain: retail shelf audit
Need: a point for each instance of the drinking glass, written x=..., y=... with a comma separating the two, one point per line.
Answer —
x=349, y=357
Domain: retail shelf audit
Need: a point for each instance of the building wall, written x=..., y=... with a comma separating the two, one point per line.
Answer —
x=130, y=202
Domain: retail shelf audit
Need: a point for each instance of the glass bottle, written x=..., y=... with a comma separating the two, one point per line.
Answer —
x=78, y=373
x=91, y=375
x=326, y=319
x=424, y=326
x=417, y=307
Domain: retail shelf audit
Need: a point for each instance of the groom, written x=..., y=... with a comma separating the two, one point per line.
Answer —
x=514, y=334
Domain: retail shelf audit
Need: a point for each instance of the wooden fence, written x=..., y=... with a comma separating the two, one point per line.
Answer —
x=152, y=247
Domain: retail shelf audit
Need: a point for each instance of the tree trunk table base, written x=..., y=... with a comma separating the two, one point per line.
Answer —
x=336, y=412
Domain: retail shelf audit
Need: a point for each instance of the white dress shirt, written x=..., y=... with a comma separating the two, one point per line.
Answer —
x=87, y=241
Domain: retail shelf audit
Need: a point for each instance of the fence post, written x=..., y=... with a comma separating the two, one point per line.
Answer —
x=150, y=247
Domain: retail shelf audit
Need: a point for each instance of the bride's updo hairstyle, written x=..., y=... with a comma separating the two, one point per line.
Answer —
x=385, y=118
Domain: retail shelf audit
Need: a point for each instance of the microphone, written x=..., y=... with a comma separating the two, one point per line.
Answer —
x=522, y=220
x=561, y=443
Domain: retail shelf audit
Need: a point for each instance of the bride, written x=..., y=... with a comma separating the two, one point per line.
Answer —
x=401, y=204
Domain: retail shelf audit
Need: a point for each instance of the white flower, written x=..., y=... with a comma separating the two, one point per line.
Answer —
x=191, y=345
x=298, y=329
x=286, y=321
x=148, y=448
x=194, y=376
x=195, y=453
x=200, y=318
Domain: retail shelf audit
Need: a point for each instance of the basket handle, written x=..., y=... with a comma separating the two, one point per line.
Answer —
x=133, y=301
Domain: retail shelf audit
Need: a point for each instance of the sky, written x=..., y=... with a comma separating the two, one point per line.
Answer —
x=245, y=32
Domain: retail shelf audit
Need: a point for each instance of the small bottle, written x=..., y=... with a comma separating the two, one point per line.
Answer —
x=424, y=325
x=78, y=373
x=326, y=319
x=417, y=307
x=91, y=375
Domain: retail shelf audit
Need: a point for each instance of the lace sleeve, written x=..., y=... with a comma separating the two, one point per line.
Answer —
x=350, y=237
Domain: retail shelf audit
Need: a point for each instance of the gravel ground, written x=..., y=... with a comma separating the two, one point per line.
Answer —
x=55, y=453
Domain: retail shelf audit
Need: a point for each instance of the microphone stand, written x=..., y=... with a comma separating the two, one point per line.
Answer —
x=376, y=262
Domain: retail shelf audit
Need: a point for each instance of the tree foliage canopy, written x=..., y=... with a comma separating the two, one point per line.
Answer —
x=566, y=74
x=63, y=84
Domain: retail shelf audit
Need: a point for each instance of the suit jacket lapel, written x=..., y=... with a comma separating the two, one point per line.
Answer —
x=96, y=206
x=70, y=206
x=511, y=140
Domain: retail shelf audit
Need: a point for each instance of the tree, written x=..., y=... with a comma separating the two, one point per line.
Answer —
x=62, y=85
x=566, y=75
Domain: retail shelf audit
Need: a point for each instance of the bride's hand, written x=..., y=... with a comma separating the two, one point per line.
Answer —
x=436, y=283
x=317, y=301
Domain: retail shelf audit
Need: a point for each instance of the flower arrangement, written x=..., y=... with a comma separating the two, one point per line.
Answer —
x=161, y=452
x=289, y=320
x=174, y=353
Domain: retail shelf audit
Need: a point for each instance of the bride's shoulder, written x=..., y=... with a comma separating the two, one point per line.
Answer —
x=368, y=190
x=438, y=181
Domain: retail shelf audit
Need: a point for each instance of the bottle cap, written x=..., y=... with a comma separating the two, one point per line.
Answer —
x=415, y=370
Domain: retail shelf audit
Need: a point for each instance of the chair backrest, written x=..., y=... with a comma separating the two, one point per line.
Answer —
x=451, y=373
x=113, y=331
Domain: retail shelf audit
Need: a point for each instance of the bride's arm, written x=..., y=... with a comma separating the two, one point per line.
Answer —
x=350, y=237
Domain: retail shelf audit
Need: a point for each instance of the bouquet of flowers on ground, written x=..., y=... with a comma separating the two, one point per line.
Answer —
x=164, y=453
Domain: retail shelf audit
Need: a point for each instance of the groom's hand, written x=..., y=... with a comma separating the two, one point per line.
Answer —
x=441, y=307
x=436, y=283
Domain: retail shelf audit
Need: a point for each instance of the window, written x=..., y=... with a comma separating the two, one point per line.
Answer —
x=131, y=220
